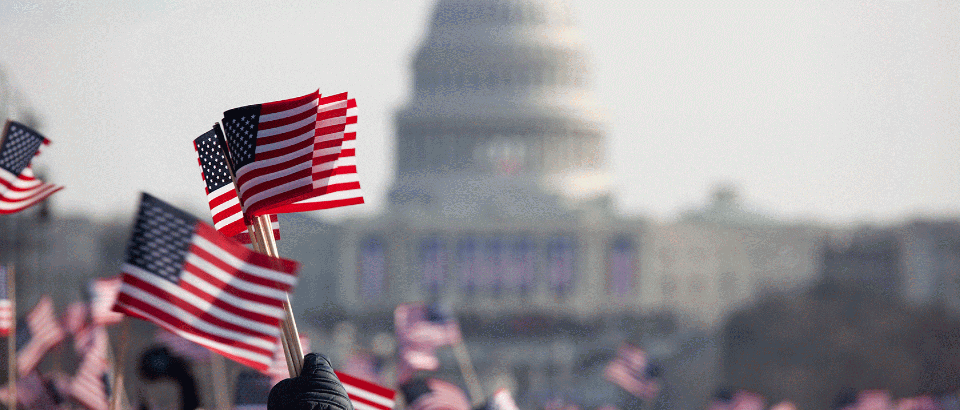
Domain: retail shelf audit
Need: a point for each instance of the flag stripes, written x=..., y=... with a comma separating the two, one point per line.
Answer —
x=204, y=287
x=41, y=333
x=366, y=395
x=6, y=305
x=19, y=188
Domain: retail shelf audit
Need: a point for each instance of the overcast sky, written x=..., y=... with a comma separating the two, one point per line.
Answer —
x=834, y=110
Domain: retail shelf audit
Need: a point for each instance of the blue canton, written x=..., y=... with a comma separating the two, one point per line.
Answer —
x=19, y=146
x=161, y=238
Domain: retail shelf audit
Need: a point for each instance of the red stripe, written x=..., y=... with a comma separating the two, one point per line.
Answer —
x=253, y=297
x=244, y=313
x=316, y=206
x=283, y=121
x=237, y=273
x=352, y=119
x=201, y=314
x=177, y=323
x=306, y=132
x=274, y=168
x=365, y=385
x=223, y=197
x=283, y=105
x=352, y=103
x=349, y=136
x=31, y=201
x=280, y=265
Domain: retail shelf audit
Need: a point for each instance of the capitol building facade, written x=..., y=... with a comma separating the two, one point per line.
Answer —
x=502, y=208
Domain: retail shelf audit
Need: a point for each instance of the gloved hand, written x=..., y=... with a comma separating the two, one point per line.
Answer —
x=317, y=388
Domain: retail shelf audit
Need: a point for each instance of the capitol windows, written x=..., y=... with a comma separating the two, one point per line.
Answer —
x=468, y=264
x=372, y=268
x=520, y=267
x=621, y=267
x=493, y=269
x=432, y=265
x=561, y=264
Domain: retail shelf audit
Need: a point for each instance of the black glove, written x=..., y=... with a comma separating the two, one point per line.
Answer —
x=317, y=388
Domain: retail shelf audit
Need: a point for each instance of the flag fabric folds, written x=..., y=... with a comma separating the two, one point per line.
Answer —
x=185, y=277
x=37, y=335
x=363, y=394
x=631, y=370
x=103, y=295
x=6, y=305
x=366, y=395
x=221, y=191
x=19, y=188
x=435, y=394
x=420, y=331
x=290, y=155
x=92, y=383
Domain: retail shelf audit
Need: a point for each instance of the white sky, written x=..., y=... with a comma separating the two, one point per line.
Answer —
x=836, y=110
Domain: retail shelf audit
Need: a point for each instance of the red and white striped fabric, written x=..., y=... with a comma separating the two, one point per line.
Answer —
x=103, y=295
x=221, y=191
x=334, y=158
x=6, y=305
x=364, y=394
x=420, y=331
x=287, y=153
x=19, y=188
x=181, y=347
x=442, y=396
x=187, y=278
x=91, y=385
x=747, y=400
x=629, y=371
x=41, y=333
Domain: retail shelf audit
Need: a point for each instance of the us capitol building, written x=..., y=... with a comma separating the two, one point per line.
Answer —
x=502, y=210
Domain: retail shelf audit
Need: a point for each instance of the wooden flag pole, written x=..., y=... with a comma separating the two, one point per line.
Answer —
x=118, y=359
x=219, y=374
x=261, y=237
x=469, y=374
x=12, y=337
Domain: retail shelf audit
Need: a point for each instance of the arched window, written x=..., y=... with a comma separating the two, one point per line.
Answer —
x=561, y=264
x=432, y=265
x=622, y=267
x=468, y=264
x=372, y=268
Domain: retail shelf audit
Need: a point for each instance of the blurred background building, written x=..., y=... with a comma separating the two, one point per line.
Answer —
x=501, y=211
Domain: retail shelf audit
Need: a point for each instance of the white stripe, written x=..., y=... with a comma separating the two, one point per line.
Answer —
x=371, y=396
x=286, y=142
x=364, y=406
x=293, y=111
x=335, y=196
x=336, y=104
x=224, y=190
x=228, y=220
x=17, y=181
x=337, y=179
x=302, y=182
x=239, y=264
x=326, y=122
x=270, y=162
x=244, y=304
x=184, y=316
x=236, y=351
x=285, y=128
x=194, y=300
x=40, y=195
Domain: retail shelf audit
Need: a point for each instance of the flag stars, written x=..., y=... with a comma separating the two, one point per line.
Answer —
x=161, y=239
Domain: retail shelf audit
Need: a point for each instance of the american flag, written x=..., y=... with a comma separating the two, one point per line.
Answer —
x=630, y=370
x=221, y=191
x=19, y=188
x=294, y=155
x=747, y=400
x=185, y=277
x=364, y=394
x=91, y=385
x=420, y=330
x=439, y=395
x=35, y=392
x=37, y=335
x=874, y=400
x=181, y=347
x=501, y=400
x=6, y=305
x=103, y=295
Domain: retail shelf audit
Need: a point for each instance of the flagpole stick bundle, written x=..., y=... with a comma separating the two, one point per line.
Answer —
x=12, y=337
x=469, y=374
x=261, y=237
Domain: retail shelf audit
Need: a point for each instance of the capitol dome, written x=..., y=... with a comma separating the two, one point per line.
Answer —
x=501, y=88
